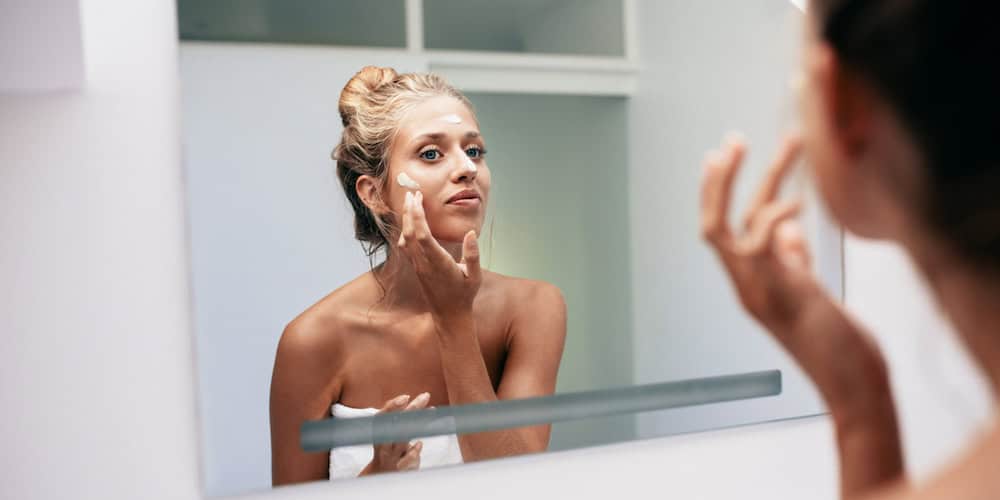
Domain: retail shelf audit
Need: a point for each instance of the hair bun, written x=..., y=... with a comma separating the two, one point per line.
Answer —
x=363, y=83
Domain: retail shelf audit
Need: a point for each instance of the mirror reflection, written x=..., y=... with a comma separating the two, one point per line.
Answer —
x=496, y=214
x=427, y=326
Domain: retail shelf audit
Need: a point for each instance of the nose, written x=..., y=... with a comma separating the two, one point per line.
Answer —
x=464, y=170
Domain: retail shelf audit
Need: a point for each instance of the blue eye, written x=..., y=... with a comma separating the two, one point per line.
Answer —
x=430, y=154
x=475, y=152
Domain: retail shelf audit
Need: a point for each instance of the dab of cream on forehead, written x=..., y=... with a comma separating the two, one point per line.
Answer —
x=452, y=119
x=404, y=180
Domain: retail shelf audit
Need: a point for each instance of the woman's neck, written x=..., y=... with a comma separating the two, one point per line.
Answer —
x=400, y=282
x=969, y=296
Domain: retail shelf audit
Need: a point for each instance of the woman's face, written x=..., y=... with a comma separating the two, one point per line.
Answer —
x=439, y=147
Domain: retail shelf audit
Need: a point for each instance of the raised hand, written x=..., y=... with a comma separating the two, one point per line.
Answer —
x=767, y=260
x=450, y=287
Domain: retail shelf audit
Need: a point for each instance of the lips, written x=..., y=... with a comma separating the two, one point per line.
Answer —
x=465, y=197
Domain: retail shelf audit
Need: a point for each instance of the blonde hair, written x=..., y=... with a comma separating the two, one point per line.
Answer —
x=371, y=106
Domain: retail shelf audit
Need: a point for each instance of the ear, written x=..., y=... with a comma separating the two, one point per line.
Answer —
x=369, y=192
x=846, y=99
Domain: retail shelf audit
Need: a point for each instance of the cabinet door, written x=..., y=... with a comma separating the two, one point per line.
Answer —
x=343, y=22
x=568, y=27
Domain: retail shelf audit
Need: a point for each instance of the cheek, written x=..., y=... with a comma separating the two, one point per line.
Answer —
x=394, y=194
x=831, y=177
x=818, y=150
x=416, y=174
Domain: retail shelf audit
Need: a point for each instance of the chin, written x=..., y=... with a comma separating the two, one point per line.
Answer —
x=455, y=232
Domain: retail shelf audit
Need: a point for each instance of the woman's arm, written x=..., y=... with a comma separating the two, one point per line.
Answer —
x=770, y=267
x=850, y=374
x=535, y=348
x=303, y=386
x=536, y=338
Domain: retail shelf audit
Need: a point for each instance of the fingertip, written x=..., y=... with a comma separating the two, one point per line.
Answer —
x=712, y=158
x=793, y=142
x=421, y=399
x=734, y=137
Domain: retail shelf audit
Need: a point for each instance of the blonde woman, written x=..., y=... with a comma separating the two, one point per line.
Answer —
x=427, y=326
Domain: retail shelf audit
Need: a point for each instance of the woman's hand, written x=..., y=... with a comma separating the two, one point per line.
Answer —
x=391, y=457
x=768, y=260
x=450, y=287
x=769, y=264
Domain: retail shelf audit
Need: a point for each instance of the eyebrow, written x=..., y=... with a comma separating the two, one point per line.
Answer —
x=437, y=136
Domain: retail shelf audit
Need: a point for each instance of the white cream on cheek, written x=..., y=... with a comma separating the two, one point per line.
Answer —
x=406, y=181
x=471, y=165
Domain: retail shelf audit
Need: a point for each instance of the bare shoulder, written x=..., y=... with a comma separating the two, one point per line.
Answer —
x=536, y=335
x=973, y=476
x=527, y=296
x=318, y=333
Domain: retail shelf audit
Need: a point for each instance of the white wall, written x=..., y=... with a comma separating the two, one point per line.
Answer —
x=40, y=45
x=96, y=367
x=96, y=376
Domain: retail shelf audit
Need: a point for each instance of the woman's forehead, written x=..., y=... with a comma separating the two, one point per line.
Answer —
x=443, y=114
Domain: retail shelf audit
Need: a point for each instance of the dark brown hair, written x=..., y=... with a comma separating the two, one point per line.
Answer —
x=937, y=63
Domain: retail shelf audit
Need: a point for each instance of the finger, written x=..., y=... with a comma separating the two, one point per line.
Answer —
x=433, y=252
x=411, y=460
x=383, y=452
x=761, y=233
x=406, y=232
x=401, y=403
x=408, y=462
x=422, y=232
x=470, y=257
x=719, y=172
x=419, y=402
x=790, y=244
x=398, y=449
x=776, y=173
x=395, y=403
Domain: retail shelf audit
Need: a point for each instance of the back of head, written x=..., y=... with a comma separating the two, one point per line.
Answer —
x=371, y=106
x=937, y=63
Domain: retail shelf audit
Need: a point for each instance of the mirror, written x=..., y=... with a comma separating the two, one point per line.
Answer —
x=595, y=126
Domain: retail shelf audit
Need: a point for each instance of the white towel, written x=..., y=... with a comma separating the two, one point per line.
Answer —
x=349, y=461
